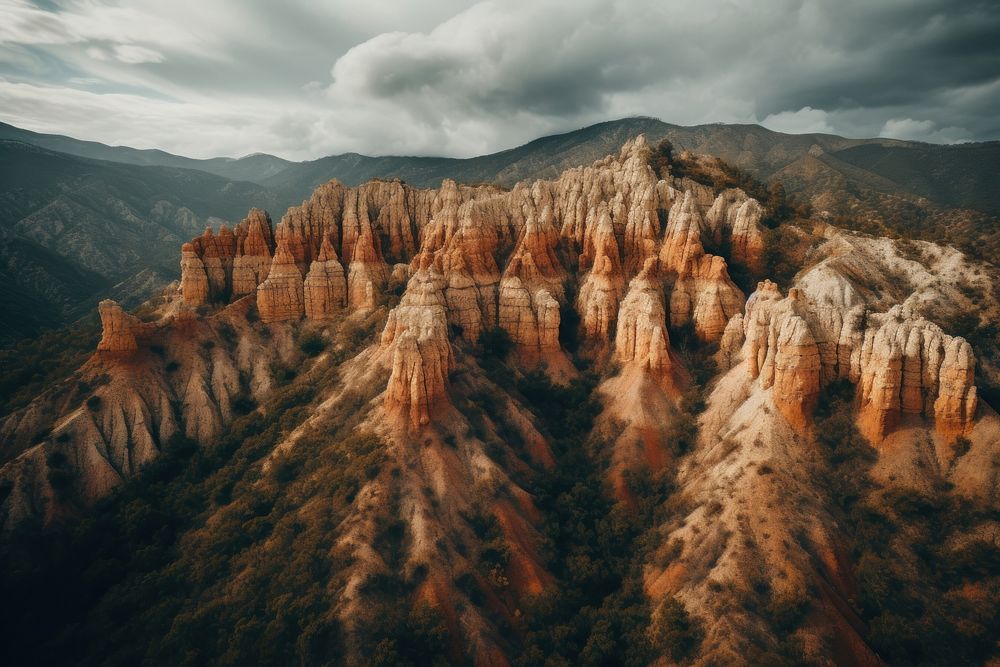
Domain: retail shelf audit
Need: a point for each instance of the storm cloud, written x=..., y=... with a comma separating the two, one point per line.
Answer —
x=303, y=79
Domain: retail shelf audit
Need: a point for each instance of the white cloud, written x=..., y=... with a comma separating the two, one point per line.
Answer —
x=804, y=121
x=923, y=130
x=125, y=119
x=133, y=55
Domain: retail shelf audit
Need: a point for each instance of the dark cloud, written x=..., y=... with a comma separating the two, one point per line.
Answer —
x=304, y=79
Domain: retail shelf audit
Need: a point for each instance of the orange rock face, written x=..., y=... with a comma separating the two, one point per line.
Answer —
x=117, y=329
x=604, y=285
x=706, y=297
x=367, y=273
x=781, y=352
x=910, y=368
x=325, y=287
x=642, y=337
x=254, y=247
x=473, y=278
x=535, y=261
x=280, y=298
x=733, y=221
x=416, y=340
x=194, y=279
x=702, y=294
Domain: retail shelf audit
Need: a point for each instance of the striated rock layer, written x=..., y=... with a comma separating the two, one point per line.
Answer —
x=281, y=297
x=416, y=337
x=325, y=286
x=117, y=329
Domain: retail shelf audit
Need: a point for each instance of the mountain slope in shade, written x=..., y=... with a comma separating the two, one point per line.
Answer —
x=72, y=228
x=575, y=421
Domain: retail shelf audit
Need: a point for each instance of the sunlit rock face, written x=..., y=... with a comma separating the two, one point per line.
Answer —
x=909, y=367
x=416, y=339
x=325, y=286
x=280, y=298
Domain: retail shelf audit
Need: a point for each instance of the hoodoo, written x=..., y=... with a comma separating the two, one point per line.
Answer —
x=280, y=297
x=325, y=286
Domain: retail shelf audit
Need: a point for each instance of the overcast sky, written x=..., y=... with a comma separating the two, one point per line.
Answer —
x=306, y=78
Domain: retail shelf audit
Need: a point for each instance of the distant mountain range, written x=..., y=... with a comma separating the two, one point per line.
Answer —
x=80, y=220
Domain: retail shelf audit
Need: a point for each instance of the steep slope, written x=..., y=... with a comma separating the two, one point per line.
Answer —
x=459, y=411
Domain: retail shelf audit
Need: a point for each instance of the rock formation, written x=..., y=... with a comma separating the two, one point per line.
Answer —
x=217, y=258
x=367, y=273
x=325, y=287
x=733, y=222
x=636, y=258
x=117, y=329
x=781, y=352
x=473, y=276
x=642, y=339
x=535, y=261
x=416, y=339
x=908, y=367
x=254, y=246
x=532, y=320
x=280, y=297
x=602, y=289
x=702, y=293
x=194, y=280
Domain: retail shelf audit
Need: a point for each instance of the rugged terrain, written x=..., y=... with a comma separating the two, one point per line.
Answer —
x=82, y=221
x=620, y=416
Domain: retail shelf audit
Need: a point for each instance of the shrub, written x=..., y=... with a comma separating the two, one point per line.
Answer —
x=674, y=632
x=312, y=343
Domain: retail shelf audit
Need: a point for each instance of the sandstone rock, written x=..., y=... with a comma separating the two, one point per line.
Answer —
x=325, y=287
x=746, y=235
x=705, y=296
x=641, y=338
x=532, y=320
x=682, y=246
x=600, y=296
x=731, y=344
x=602, y=289
x=733, y=221
x=368, y=273
x=254, y=245
x=194, y=281
x=955, y=406
x=117, y=329
x=416, y=339
x=318, y=218
x=394, y=219
x=217, y=265
x=535, y=261
x=642, y=229
x=781, y=352
x=702, y=294
x=909, y=368
x=472, y=274
x=280, y=297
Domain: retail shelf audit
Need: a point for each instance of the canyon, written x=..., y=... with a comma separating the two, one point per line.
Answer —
x=635, y=278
